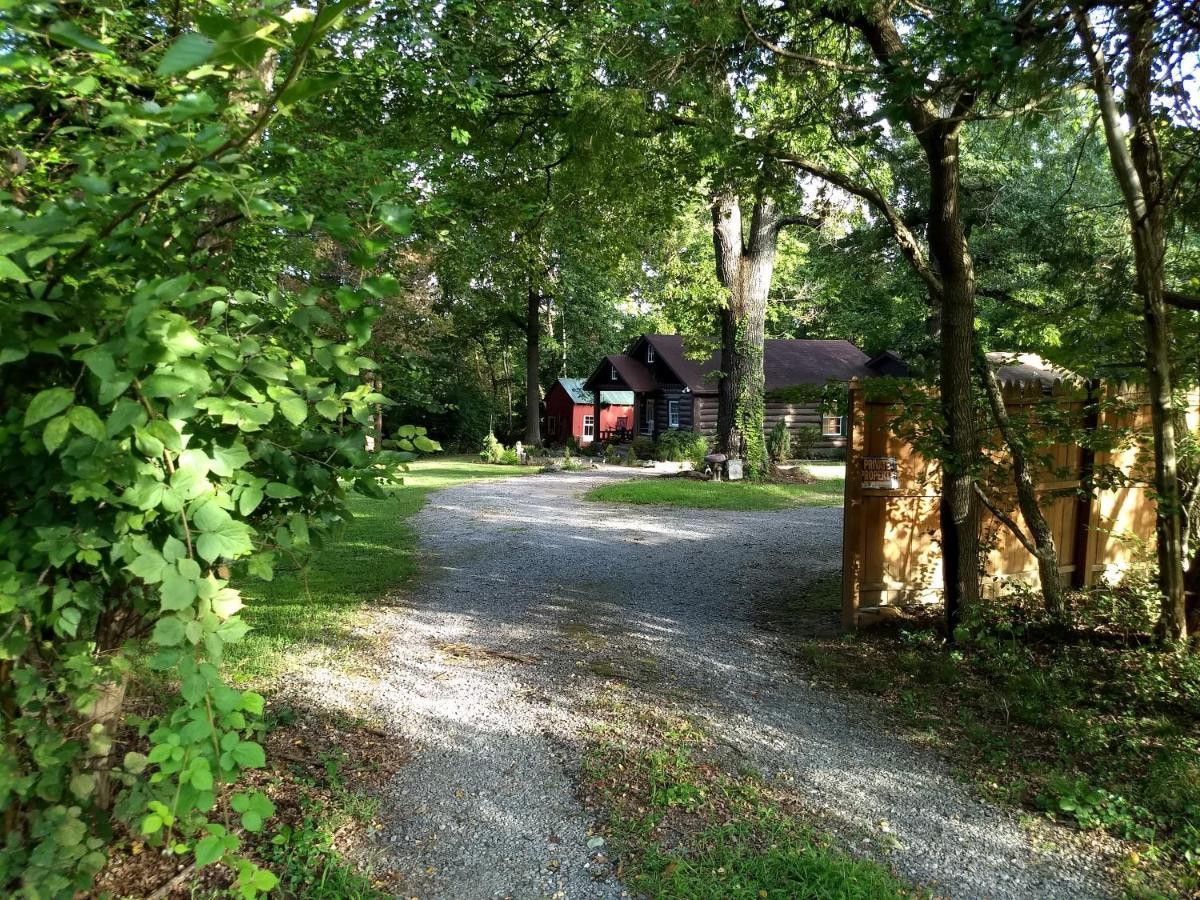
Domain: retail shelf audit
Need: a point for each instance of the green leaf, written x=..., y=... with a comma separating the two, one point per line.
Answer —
x=82, y=785
x=329, y=408
x=209, y=849
x=165, y=385
x=48, y=403
x=149, y=567
x=124, y=414
x=169, y=631
x=185, y=54
x=71, y=35
x=152, y=824
x=294, y=409
x=202, y=779
x=146, y=494
x=249, y=755
x=277, y=490
x=232, y=630
x=307, y=87
x=85, y=420
x=10, y=271
x=56, y=432
x=249, y=499
x=177, y=591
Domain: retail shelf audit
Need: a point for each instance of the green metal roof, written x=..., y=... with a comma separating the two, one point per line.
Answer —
x=575, y=390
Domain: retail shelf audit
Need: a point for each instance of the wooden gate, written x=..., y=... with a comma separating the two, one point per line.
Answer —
x=891, y=548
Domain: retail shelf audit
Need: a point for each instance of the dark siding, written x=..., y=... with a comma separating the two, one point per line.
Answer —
x=705, y=414
x=673, y=392
x=798, y=415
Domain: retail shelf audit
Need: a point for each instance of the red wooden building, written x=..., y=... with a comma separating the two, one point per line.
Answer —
x=571, y=412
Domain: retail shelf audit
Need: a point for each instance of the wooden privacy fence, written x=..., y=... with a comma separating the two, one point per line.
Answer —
x=891, y=551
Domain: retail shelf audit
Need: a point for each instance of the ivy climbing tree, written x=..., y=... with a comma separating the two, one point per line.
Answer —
x=160, y=422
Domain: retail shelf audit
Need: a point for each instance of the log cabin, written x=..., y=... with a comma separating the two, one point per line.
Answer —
x=673, y=389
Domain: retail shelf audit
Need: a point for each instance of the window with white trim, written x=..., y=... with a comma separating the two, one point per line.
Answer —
x=672, y=413
x=589, y=426
x=612, y=373
x=649, y=353
x=832, y=426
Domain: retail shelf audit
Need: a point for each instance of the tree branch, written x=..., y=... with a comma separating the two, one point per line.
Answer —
x=1183, y=301
x=821, y=61
x=1005, y=519
x=909, y=245
x=1127, y=174
x=812, y=222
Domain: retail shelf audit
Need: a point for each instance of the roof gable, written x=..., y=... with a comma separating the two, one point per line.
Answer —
x=631, y=375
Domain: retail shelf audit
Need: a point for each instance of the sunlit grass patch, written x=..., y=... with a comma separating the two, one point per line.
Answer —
x=311, y=607
x=737, y=495
x=685, y=826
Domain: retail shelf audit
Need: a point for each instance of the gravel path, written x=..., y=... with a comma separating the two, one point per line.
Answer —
x=566, y=592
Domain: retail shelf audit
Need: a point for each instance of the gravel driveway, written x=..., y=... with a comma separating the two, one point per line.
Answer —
x=534, y=593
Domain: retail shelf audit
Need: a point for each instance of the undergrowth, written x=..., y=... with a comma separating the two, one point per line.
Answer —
x=683, y=825
x=1098, y=729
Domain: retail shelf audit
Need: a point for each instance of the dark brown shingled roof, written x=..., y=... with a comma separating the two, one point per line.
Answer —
x=786, y=363
x=634, y=375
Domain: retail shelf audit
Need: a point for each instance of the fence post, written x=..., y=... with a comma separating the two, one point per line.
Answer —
x=852, y=536
x=1086, y=507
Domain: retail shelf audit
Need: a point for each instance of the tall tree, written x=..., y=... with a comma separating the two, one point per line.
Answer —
x=745, y=262
x=1148, y=191
x=928, y=74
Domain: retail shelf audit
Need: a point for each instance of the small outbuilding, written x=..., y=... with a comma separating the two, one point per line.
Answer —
x=572, y=413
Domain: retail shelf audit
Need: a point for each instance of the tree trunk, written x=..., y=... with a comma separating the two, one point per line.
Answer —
x=1138, y=169
x=744, y=268
x=948, y=247
x=508, y=387
x=1042, y=544
x=533, y=392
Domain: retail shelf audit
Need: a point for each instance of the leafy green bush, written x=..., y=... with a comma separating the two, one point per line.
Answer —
x=161, y=420
x=509, y=457
x=804, y=439
x=678, y=445
x=492, y=450
x=611, y=456
x=779, y=442
x=644, y=447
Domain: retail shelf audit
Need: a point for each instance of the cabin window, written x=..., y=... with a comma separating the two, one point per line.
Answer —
x=832, y=426
x=612, y=373
x=648, y=417
x=622, y=423
x=552, y=425
x=672, y=413
x=589, y=426
x=649, y=353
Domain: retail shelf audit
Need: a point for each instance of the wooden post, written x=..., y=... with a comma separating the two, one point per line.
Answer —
x=1086, y=507
x=852, y=537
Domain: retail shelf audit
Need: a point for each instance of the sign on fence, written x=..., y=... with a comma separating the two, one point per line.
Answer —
x=880, y=473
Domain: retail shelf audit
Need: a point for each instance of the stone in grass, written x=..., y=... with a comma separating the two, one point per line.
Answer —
x=595, y=843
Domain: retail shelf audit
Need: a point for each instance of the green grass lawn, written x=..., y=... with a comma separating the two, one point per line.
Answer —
x=743, y=495
x=371, y=556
